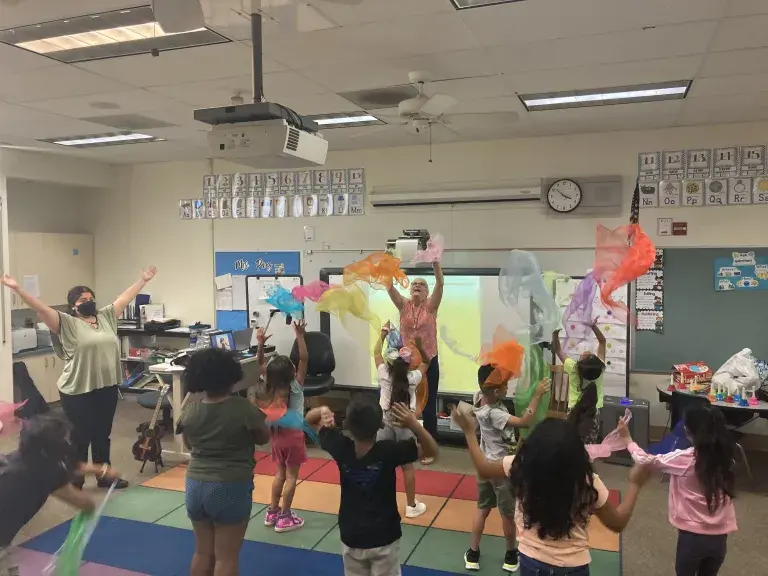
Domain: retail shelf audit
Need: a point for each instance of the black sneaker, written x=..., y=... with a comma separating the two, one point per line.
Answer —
x=511, y=561
x=472, y=559
x=106, y=483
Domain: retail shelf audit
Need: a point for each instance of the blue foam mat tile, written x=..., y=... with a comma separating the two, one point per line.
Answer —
x=136, y=546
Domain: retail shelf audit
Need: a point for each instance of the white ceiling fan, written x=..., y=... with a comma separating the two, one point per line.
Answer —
x=420, y=113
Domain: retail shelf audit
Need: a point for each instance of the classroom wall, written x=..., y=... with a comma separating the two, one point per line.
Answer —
x=182, y=250
x=44, y=207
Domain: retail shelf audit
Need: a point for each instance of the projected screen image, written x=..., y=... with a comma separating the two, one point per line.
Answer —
x=467, y=318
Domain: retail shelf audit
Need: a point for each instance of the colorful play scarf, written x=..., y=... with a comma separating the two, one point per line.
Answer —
x=380, y=270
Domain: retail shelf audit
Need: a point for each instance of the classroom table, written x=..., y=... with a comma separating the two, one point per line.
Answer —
x=249, y=383
x=759, y=410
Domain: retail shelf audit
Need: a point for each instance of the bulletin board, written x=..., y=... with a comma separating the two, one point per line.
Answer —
x=702, y=323
x=233, y=268
x=259, y=311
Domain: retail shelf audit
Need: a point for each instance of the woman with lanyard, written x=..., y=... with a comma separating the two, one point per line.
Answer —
x=418, y=318
x=86, y=339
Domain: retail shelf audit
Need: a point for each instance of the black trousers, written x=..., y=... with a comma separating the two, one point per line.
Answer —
x=429, y=414
x=91, y=415
x=699, y=554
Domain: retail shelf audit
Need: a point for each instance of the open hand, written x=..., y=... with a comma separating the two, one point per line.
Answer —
x=639, y=474
x=148, y=273
x=402, y=416
x=623, y=431
x=300, y=328
x=262, y=338
x=9, y=281
x=326, y=417
x=542, y=388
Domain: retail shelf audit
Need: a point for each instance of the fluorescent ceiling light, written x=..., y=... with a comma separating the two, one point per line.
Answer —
x=606, y=96
x=345, y=120
x=466, y=4
x=105, y=35
x=95, y=140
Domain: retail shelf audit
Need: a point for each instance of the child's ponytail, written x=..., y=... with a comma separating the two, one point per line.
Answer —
x=714, y=451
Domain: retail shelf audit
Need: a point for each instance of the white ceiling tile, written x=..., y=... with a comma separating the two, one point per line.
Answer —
x=621, y=116
x=635, y=45
x=13, y=60
x=29, y=12
x=35, y=124
x=524, y=22
x=738, y=33
x=725, y=109
x=606, y=75
x=167, y=151
x=735, y=62
x=483, y=105
x=326, y=103
x=484, y=87
x=747, y=7
x=348, y=14
x=59, y=81
x=390, y=39
x=128, y=101
x=739, y=84
x=208, y=93
x=282, y=84
x=177, y=66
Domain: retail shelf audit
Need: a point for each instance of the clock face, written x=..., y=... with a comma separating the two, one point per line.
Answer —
x=564, y=196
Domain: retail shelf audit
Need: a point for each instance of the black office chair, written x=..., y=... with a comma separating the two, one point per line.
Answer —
x=149, y=400
x=321, y=363
x=682, y=402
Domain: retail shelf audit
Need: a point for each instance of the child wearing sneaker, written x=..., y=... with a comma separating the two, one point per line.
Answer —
x=369, y=520
x=397, y=384
x=285, y=383
x=497, y=440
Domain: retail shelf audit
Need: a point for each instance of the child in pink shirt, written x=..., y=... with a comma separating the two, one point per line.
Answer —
x=701, y=490
x=557, y=491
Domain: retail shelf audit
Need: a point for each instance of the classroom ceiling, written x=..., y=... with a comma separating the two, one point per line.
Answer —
x=316, y=50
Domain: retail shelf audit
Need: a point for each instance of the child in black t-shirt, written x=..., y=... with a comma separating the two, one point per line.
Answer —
x=44, y=465
x=369, y=520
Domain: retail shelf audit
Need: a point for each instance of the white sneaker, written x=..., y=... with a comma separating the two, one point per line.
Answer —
x=415, y=511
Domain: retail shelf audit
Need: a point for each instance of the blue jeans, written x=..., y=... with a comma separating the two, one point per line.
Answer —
x=531, y=567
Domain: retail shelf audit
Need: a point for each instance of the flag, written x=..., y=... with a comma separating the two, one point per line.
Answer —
x=634, y=210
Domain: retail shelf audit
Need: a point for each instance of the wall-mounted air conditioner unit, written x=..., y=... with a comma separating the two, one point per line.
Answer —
x=466, y=193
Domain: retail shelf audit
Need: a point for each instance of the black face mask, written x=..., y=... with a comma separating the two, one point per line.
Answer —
x=87, y=308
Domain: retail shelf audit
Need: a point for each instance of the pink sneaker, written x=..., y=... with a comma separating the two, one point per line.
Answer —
x=288, y=522
x=270, y=519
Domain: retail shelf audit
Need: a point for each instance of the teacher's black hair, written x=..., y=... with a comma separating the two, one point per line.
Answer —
x=212, y=371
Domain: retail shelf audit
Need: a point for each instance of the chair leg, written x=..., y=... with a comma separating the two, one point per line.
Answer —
x=744, y=459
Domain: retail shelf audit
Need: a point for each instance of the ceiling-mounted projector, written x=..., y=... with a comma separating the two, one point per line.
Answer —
x=263, y=135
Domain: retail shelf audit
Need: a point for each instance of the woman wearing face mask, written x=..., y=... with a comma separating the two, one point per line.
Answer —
x=87, y=342
x=418, y=319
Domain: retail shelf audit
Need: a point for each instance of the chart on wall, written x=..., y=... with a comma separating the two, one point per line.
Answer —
x=649, y=296
x=703, y=177
x=741, y=271
x=287, y=194
x=231, y=272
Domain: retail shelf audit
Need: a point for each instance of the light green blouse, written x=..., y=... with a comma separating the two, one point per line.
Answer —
x=91, y=355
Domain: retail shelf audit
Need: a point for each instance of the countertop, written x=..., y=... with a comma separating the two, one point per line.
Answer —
x=34, y=352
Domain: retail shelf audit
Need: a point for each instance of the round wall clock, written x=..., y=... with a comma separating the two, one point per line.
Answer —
x=564, y=196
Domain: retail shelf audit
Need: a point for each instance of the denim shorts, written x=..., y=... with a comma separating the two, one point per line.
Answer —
x=219, y=502
x=531, y=567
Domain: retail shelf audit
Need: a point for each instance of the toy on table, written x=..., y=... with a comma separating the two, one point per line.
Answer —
x=729, y=399
x=695, y=376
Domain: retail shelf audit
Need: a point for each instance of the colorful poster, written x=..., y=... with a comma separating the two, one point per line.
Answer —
x=742, y=271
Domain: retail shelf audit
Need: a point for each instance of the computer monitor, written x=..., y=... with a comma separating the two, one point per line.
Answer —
x=243, y=339
x=224, y=340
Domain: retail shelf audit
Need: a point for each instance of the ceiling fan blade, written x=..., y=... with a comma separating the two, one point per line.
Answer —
x=478, y=116
x=372, y=130
x=438, y=105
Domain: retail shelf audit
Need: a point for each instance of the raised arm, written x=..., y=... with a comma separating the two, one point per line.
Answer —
x=300, y=328
x=320, y=417
x=396, y=297
x=133, y=290
x=523, y=421
x=261, y=339
x=600, y=342
x=437, y=294
x=674, y=463
x=556, y=348
x=47, y=315
x=405, y=418
x=378, y=359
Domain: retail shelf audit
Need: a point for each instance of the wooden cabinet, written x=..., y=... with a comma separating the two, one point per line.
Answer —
x=45, y=369
x=60, y=261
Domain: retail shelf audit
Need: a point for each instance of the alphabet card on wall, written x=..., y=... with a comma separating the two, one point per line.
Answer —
x=730, y=175
x=288, y=194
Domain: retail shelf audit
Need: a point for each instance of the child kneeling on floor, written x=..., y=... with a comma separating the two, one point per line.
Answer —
x=221, y=431
x=44, y=465
x=557, y=491
x=369, y=520
x=497, y=440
